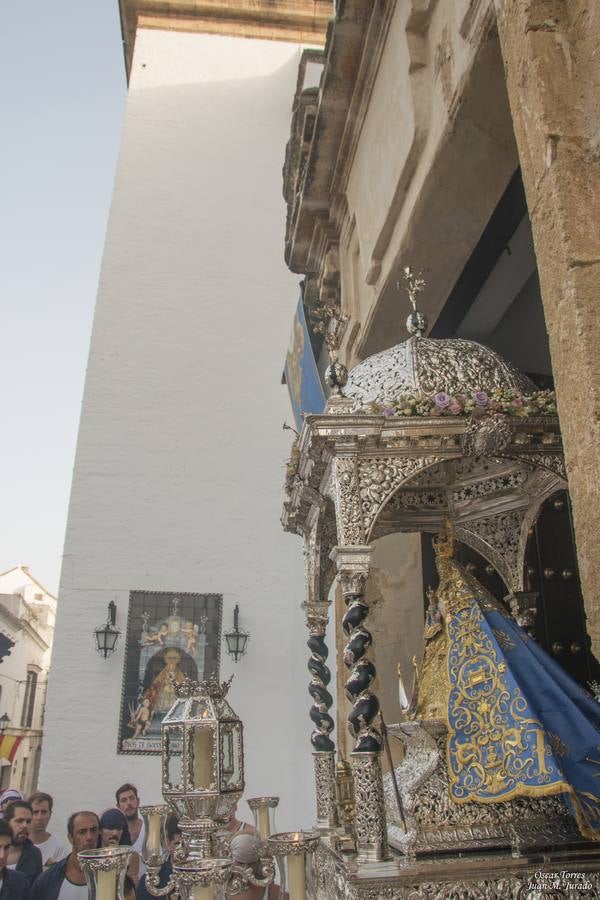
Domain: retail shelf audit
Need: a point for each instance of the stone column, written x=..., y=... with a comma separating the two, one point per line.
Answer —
x=371, y=828
x=323, y=746
x=553, y=80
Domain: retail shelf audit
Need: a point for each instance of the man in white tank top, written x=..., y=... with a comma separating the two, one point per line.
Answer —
x=65, y=879
x=128, y=802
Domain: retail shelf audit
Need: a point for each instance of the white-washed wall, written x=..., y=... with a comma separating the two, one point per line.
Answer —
x=177, y=479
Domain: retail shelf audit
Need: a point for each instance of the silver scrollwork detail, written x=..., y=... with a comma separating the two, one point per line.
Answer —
x=487, y=435
x=555, y=462
x=327, y=816
x=498, y=539
x=422, y=365
x=370, y=822
x=348, y=511
x=379, y=478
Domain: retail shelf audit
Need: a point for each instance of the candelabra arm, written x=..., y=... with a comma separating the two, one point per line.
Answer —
x=153, y=884
x=242, y=877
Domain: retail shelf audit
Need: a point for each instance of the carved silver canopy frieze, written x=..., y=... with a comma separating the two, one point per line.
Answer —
x=387, y=475
x=422, y=365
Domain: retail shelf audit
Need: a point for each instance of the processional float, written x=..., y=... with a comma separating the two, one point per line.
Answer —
x=494, y=789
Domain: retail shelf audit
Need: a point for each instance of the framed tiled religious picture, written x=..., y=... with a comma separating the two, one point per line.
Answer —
x=170, y=636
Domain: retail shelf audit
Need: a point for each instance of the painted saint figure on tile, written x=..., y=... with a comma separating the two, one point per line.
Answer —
x=169, y=637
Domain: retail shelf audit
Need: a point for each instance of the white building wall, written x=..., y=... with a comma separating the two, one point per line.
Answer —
x=27, y=614
x=181, y=452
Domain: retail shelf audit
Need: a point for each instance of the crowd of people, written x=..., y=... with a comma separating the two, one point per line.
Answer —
x=37, y=865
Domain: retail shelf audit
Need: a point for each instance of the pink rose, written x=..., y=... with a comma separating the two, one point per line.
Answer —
x=455, y=409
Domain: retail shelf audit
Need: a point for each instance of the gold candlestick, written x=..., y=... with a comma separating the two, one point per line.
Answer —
x=263, y=810
x=293, y=850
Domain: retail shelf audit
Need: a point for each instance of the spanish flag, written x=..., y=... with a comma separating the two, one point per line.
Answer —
x=9, y=744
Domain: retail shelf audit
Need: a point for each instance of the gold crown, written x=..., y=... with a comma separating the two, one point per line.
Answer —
x=444, y=542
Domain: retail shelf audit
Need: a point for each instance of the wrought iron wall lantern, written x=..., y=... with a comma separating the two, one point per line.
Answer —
x=4, y=722
x=236, y=639
x=107, y=635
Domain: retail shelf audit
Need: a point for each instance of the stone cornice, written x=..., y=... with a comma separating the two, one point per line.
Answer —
x=297, y=21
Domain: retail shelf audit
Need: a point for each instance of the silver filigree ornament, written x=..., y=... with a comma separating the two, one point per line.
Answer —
x=203, y=778
x=430, y=366
x=487, y=435
x=416, y=322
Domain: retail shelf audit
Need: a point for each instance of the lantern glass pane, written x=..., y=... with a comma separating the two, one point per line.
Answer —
x=174, y=751
x=111, y=639
x=199, y=709
x=176, y=711
x=202, y=744
x=231, y=639
x=101, y=639
x=223, y=709
x=231, y=756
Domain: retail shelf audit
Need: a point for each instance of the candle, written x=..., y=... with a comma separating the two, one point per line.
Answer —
x=203, y=757
x=202, y=893
x=153, y=840
x=264, y=827
x=296, y=876
x=106, y=885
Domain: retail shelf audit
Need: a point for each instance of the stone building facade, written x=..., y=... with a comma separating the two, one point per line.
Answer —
x=458, y=138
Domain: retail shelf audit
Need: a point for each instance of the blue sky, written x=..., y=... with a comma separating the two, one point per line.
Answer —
x=62, y=96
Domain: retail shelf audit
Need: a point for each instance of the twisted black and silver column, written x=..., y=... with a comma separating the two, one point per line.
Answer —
x=323, y=746
x=318, y=690
x=370, y=818
x=365, y=705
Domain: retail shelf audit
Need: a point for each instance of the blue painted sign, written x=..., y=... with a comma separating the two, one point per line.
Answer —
x=301, y=373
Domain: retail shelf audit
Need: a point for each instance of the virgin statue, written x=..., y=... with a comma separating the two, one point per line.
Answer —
x=517, y=724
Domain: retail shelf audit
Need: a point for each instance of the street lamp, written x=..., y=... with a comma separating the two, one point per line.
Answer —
x=236, y=638
x=107, y=635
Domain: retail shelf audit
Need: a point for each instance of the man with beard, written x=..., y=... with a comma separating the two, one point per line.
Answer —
x=23, y=856
x=65, y=879
x=13, y=885
x=128, y=802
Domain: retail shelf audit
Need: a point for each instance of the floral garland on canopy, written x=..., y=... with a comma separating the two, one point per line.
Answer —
x=510, y=403
x=503, y=401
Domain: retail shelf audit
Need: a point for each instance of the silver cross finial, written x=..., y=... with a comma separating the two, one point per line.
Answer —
x=416, y=323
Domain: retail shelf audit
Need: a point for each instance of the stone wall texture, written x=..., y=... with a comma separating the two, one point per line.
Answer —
x=550, y=51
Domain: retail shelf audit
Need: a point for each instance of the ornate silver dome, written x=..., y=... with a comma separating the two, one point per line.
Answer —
x=426, y=366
